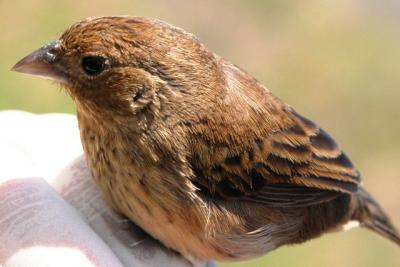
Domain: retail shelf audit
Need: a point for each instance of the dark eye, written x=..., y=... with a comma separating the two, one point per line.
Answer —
x=93, y=65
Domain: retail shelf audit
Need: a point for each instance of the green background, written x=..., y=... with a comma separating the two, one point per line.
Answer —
x=335, y=61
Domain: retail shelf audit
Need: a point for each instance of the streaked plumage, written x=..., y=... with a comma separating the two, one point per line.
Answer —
x=195, y=150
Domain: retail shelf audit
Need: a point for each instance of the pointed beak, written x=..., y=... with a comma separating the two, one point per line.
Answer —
x=44, y=62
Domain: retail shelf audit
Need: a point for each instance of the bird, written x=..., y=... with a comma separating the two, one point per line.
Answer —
x=195, y=150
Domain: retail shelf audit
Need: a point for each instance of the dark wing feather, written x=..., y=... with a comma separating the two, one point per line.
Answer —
x=299, y=165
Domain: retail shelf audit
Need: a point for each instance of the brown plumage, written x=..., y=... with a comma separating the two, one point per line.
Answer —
x=195, y=150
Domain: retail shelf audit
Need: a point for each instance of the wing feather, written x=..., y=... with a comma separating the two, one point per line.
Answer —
x=298, y=165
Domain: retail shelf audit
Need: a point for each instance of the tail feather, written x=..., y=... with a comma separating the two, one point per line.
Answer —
x=371, y=215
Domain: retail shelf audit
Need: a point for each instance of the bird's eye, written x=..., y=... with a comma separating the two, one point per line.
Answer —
x=93, y=65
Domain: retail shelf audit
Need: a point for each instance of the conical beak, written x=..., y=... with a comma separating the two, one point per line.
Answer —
x=44, y=62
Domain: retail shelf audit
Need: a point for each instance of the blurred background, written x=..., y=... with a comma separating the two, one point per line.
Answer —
x=335, y=61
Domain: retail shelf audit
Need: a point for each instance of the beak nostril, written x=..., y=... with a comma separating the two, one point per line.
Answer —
x=52, y=51
x=51, y=55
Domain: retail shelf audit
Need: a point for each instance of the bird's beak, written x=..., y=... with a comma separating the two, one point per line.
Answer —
x=44, y=62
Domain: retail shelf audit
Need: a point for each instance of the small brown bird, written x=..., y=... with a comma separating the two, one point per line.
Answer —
x=195, y=150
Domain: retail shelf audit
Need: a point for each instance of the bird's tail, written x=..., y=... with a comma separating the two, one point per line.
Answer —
x=372, y=216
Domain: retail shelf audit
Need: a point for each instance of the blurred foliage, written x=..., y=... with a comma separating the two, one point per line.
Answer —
x=335, y=61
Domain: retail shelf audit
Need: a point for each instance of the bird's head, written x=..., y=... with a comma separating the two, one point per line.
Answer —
x=124, y=65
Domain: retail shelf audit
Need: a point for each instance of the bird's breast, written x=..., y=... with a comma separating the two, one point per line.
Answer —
x=140, y=192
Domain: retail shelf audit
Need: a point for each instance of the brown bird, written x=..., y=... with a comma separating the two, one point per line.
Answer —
x=195, y=150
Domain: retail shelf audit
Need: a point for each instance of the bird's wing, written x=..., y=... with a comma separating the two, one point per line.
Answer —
x=298, y=165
